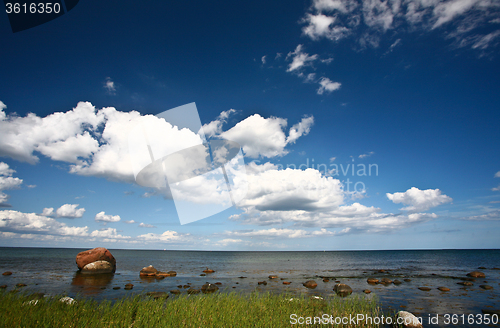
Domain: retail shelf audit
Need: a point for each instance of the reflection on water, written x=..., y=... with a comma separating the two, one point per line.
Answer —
x=90, y=284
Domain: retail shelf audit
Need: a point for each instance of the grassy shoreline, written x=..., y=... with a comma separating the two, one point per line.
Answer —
x=212, y=310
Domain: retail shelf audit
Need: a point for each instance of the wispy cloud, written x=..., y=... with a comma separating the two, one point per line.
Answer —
x=109, y=86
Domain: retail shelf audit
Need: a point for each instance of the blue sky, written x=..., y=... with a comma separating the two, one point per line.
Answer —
x=408, y=87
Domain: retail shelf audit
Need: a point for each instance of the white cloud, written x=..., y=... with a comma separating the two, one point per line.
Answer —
x=70, y=211
x=109, y=86
x=48, y=211
x=109, y=234
x=129, y=221
x=18, y=222
x=167, y=237
x=265, y=137
x=366, y=155
x=299, y=59
x=368, y=20
x=282, y=233
x=214, y=128
x=497, y=175
x=493, y=215
x=101, y=216
x=327, y=85
x=263, y=59
x=496, y=188
x=7, y=182
x=419, y=200
x=146, y=225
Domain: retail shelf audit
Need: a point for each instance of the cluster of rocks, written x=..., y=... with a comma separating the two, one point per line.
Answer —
x=97, y=260
x=152, y=272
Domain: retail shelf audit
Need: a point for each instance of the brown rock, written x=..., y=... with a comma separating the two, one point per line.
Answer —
x=381, y=271
x=273, y=276
x=386, y=281
x=367, y=291
x=482, y=268
x=342, y=290
x=193, y=291
x=129, y=286
x=286, y=282
x=98, y=267
x=175, y=291
x=202, y=275
x=397, y=282
x=407, y=280
x=148, y=271
x=116, y=288
x=207, y=270
x=262, y=283
x=6, y=273
x=161, y=274
x=3, y=286
x=218, y=283
x=425, y=289
x=21, y=285
x=186, y=286
x=92, y=255
x=209, y=288
x=310, y=284
x=444, y=289
x=172, y=273
x=326, y=280
x=242, y=277
x=372, y=281
x=179, y=286
x=487, y=287
x=465, y=283
x=476, y=274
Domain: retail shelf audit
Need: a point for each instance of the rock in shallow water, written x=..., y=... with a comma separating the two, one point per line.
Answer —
x=209, y=288
x=148, y=271
x=310, y=284
x=342, y=290
x=425, y=289
x=444, y=289
x=93, y=255
x=98, y=267
x=6, y=273
x=476, y=274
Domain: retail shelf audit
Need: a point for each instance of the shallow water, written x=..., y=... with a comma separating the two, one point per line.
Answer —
x=53, y=271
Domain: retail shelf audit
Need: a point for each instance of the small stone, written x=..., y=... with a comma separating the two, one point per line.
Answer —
x=3, y=286
x=425, y=289
x=179, y=286
x=191, y=291
x=175, y=291
x=129, y=286
x=487, y=287
x=172, y=273
x=482, y=268
x=407, y=280
x=372, y=281
x=186, y=286
x=6, y=273
x=273, y=276
x=21, y=285
x=310, y=284
x=207, y=270
x=444, y=289
x=116, y=288
x=367, y=291
x=397, y=282
x=242, y=277
x=386, y=281
x=286, y=282
x=476, y=274
x=381, y=271
x=465, y=283
x=209, y=288
x=262, y=283
x=202, y=275
x=342, y=290
x=148, y=271
x=157, y=295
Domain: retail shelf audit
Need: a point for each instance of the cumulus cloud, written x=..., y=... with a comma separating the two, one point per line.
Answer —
x=7, y=182
x=48, y=211
x=108, y=235
x=497, y=175
x=214, y=128
x=283, y=233
x=468, y=21
x=167, y=237
x=327, y=85
x=101, y=216
x=419, y=200
x=299, y=59
x=69, y=211
x=129, y=221
x=265, y=137
x=18, y=222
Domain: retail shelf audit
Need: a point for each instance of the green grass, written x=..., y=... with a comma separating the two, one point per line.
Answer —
x=213, y=310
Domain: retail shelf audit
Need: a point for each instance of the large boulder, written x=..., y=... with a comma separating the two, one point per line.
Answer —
x=98, y=267
x=209, y=288
x=476, y=274
x=310, y=284
x=93, y=255
x=408, y=320
x=342, y=290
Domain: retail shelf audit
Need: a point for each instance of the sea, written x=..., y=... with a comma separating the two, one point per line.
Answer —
x=53, y=271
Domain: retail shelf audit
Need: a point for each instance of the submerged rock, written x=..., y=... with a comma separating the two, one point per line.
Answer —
x=342, y=290
x=207, y=270
x=310, y=284
x=6, y=273
x=175, y=291
x=367, y=291
x=372, y=281
x=93, y=255
x=286, y=282
x=487, y=287
x=129, y=286
x=425, y=289
x=386, y=281
x=476, y=274
x=262, y=283
x=465, y=283
x=172, y=273
x=444, y=289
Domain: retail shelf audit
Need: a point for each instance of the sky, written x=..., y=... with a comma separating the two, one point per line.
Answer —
x=363, y=124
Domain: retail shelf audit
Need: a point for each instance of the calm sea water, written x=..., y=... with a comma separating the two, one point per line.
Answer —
x=53, y=271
